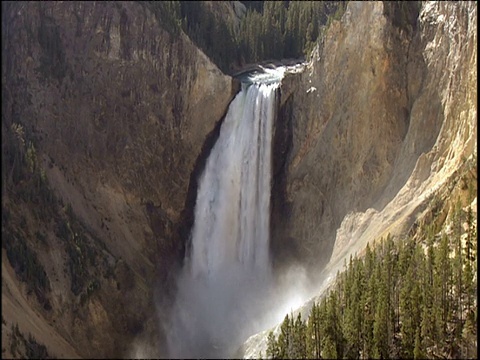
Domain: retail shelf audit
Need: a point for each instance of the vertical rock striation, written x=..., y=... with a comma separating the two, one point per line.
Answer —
x=118, y=109
x=381, y=117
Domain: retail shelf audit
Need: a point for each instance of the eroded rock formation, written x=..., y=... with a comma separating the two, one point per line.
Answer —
x=381, y=123
x=382, y=116
x=118, y=109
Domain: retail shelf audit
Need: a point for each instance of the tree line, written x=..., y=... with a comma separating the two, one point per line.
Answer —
x=404, y=299
x=284, y=29
x=269, y=29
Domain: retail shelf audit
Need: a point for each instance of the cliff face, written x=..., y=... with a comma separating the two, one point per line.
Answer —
x=381, y=117
x=380, y=125
x=118, y=110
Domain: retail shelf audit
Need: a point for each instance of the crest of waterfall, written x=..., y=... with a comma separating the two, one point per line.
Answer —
x=227, y=272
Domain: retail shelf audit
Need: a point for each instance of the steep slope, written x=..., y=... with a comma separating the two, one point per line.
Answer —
x=111, y=111
x=382, y=116
x=442, y=132
x=380, y=121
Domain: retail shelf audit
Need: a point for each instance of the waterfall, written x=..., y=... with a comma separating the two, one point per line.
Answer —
x=226, y=276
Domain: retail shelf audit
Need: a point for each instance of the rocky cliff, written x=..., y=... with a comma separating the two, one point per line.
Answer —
x=382, y=121
x=382, y=116
x=116, y=107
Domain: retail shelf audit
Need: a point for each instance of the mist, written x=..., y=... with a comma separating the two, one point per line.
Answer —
x=225, y=289
x=214, y=319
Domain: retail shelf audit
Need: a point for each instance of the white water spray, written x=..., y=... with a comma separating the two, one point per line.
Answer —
x=223, y=289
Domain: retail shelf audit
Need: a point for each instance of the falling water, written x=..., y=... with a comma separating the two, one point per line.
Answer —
x=224, y=284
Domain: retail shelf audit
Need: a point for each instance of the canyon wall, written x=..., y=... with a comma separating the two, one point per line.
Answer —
x=117, y=105
x=378, y=131
x=382, y=116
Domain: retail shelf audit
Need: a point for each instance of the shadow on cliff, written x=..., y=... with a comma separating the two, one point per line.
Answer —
x=284, y=252
x=424, y=113
x=411, y=115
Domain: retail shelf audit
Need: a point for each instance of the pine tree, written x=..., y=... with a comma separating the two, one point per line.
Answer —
x=369, y=261
x=285, y=338
x=323, y=321
x=351, y=335
x=380, y=326
x=470, y=258
x=329, y=350
x=418, y=352
x=369, y=303
x=428, y=326
x=313, y=333
x=334, y=322
x=470, y=335
x=299, y=339
x=391, y=283
x=354, y=315
x=458, y=264
x=273, y=350
x=442, y=281
x=407, y=327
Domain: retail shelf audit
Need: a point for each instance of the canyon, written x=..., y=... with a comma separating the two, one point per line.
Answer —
x=123, y=113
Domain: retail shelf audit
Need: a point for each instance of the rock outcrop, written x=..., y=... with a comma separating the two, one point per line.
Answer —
x=381, y=117
x=382, y=121
x=118, y=109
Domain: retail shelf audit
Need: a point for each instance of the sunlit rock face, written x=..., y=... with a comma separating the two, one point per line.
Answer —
x=380, y=120
x=382, y=115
